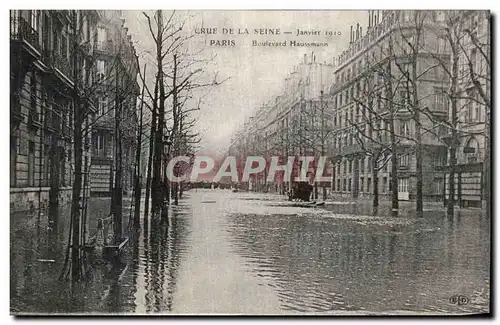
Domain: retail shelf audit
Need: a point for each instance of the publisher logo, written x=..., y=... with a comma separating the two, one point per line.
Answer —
x=459, y=300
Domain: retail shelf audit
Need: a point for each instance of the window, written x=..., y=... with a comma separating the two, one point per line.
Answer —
x=361, y=166
x=100, y=70
x=441, y=44
x=46, y=162
x=102, y=104
x=438, y=186
x=403, y=185
x=345, y=167
x=338, y=185
x=471, y=151
x=31, y=163
x=473, y=59
x=34, y=18
x=478, y=111
x=405, y=129
x=13, y=160
x=350, y=166
x=64, y=45
x=441, y=101
x=33, y=91
x=56, y=39
x=361, y=184
x=369, y=164
x=344, y=188
x=350, y=184
x=440, y=16
x=368, y=184
x=469, y=111
x=62, y=156
x=384, y=184
x=404, y=160
x=101, y=35
x=85, y=28
x=403, y=98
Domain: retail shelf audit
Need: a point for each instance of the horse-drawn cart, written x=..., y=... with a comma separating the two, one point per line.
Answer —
x=300, y=191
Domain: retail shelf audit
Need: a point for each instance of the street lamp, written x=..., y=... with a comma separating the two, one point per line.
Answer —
x=166, y=193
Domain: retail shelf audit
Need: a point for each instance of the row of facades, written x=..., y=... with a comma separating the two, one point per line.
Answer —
x=332, y=109
x=50, y=51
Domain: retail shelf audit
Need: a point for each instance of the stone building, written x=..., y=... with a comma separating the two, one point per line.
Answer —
x=117, y=91
x=51, y=50
x=291, y=123
x=372, y=91
x=44, y=69
x=473, y=109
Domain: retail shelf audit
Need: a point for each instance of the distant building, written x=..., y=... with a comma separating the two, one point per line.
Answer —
x=117, y=91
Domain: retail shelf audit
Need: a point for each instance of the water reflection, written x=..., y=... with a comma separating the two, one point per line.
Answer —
x=329, y=264
x=245, y=252
x=142, y=280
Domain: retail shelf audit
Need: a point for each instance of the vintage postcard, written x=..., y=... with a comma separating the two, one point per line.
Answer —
x=250, y=162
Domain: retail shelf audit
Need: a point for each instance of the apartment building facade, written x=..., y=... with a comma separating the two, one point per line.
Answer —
x=473, y=108
x=372, y=91
x=44, y=69
x=54, y=63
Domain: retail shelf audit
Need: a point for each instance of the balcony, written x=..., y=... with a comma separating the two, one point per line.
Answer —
x=15, y=109
x=347, y=150
x=21, y=30
x=33, y=119
x=62, y=63
x=105, y=121
x=66, y=132
x=52, y=121
x=106, y=46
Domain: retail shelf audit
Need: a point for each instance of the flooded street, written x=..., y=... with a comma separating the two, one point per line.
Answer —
x=251, y=253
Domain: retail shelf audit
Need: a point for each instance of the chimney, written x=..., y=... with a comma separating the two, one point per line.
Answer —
x=305, y=58
x=357, y=31
x=369, y=19
x=350, y=39
x=361, y=32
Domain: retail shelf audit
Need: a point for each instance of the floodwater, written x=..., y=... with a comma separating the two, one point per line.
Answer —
x=251, y=253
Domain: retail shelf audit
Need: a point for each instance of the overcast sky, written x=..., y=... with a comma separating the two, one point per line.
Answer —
x=256, y=74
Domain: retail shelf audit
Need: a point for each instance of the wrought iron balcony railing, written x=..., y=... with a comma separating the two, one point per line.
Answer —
x=62, y=63
x=33, y=118
x=21, y=30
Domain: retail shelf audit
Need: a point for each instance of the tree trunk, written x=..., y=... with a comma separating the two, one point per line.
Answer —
x=118, y=190
x=54, y=178
x=76, y=266
x=158, y=152
x=394, y=156
x=375, y=184
x=150, y=164
x=418, y=135
x=452, y=150
x=138, y=185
